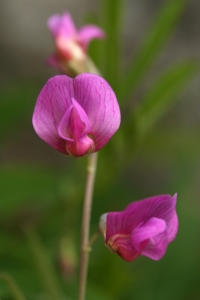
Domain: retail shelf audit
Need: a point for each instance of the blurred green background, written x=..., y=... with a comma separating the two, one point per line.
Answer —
x=151, y=59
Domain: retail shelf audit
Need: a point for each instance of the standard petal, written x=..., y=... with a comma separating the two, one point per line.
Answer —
x=100, y=104
x=52, y=102
x=146, y=232
x=116, y=223
x=164, y=207
x=172, y=227
x=88, y=33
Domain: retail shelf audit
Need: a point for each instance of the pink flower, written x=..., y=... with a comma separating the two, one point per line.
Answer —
x=71, y=44
x=144, y=228
x=76, y=116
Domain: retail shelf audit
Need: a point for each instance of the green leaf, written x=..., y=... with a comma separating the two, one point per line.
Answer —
x=95, y=46
x=15, y=290
x=15, y=260
x=45, y=267
x=112, y=12
x=152, y=44
x=163, y=93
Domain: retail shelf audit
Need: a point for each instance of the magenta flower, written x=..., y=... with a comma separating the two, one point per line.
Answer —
x=144, y=228
x=71, y=44
x=76, y=116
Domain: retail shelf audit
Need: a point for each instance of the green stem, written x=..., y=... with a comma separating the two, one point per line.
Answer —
x=85, y=229
x=45, y=267
x=15, y=290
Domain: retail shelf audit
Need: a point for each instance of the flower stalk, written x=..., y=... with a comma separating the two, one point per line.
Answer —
x=93, y=238
x=87, y=205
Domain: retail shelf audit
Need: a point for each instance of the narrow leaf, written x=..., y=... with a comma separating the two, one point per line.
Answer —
x=15, y=290
x=163, y=93
x=152, y=44
x=44, y=265
x=112, y=12
x=95, y=46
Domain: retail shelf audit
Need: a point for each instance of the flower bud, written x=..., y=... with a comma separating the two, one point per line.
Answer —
x=71, y=44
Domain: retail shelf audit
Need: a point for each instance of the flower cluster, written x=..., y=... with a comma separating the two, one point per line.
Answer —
x=78, y=116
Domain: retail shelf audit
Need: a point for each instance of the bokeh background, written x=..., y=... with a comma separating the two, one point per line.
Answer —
x=42, y=190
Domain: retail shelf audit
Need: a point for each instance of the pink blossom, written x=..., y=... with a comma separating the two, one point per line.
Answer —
x=76, y=116
x=145, y=227
x=71, y=44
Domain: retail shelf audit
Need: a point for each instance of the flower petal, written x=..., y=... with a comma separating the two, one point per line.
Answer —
x=121, y=245
x=73, y=128
x=162, y=207
x=88, y=33
x=126, y=254
x=145, y=227
x=52, y=103
x=147, y=232
x=62, y=25
x=156, y=248
x=172, y=227
x=75, y=123
x=100, y=104
x=53, y=23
